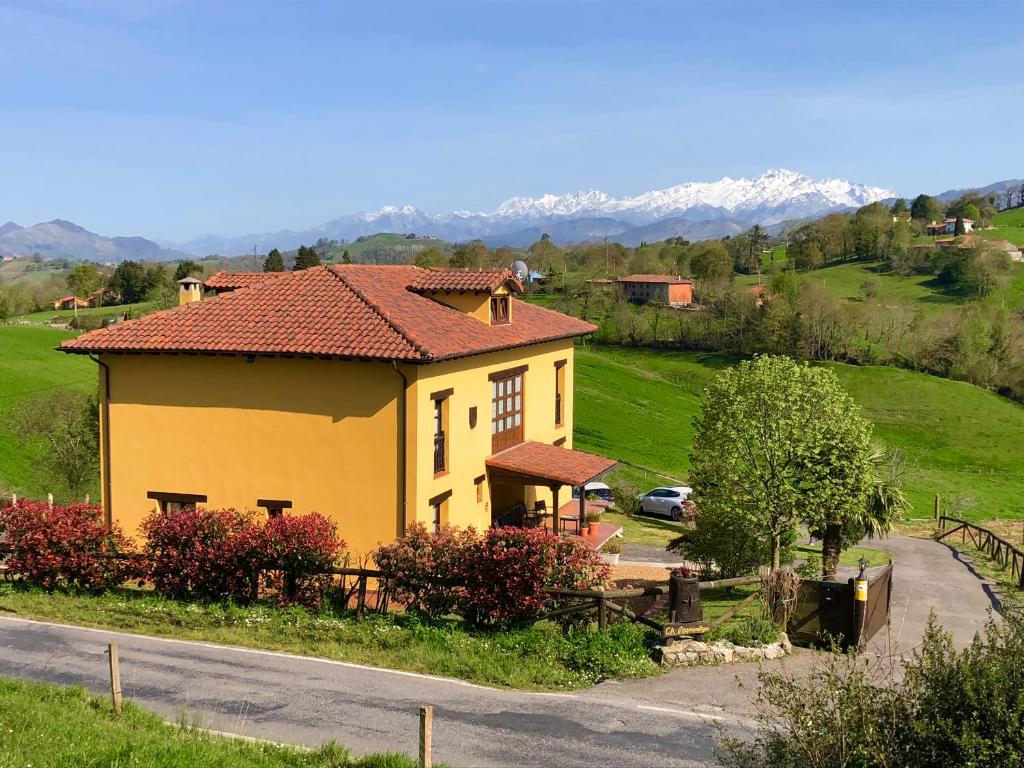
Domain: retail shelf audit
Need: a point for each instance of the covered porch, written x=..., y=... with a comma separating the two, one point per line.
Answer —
x=523, y=476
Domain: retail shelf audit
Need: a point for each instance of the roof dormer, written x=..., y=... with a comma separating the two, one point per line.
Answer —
x=484, y=294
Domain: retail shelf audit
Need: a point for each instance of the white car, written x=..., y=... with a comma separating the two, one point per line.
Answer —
x=597, y=490
x=667, y=501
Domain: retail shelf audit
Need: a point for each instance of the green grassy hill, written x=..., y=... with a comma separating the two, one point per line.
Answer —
x=29, y=364
x=959, y=440
x=386, y=248
x=1007, y=225
x=920, y=291
x=65, y=315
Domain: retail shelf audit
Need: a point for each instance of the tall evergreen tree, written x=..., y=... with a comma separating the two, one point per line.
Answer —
x=306, y=257
x=274, y=261
x=187, y=268
x=345, y=258
x=958, y=227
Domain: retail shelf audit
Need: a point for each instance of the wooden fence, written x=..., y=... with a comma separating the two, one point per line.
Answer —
x=998, y=549
x=605, y=603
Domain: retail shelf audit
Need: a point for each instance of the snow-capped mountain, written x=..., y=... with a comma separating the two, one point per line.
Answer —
x=772, y=197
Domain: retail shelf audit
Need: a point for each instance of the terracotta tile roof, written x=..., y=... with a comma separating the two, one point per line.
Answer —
x=669, y=279
x=359, y=311
x=550, y=462
x=463, y=280
x=229, y=281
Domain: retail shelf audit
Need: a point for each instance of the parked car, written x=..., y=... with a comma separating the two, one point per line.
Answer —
x=597, y=490
x=668, y=501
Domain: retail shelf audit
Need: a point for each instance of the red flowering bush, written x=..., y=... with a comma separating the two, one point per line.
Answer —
x=497, y=579
x=511, y=567
x=426, y=570
x=214, y=554
x=66, y=547
x=301, y=547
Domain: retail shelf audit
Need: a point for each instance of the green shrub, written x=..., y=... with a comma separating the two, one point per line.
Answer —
x=810, y=569
x=726, y=545
x=626, y=501
x=747, y=631
x=951, y=708
x=619, y=651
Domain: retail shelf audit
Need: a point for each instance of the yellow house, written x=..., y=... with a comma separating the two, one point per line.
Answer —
x=375, y=395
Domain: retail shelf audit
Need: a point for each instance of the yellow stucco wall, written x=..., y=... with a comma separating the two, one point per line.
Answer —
x=320, y=433
x=468, y=448
x=477, y=305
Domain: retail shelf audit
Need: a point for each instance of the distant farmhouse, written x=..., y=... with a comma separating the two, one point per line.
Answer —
x=70, y=302
x=661, y=289
x=948, y=227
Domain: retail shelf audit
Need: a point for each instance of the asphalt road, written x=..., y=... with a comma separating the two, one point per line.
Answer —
x=669, y=720
x=309, y=701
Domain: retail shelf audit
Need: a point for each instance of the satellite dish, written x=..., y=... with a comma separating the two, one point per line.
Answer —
x=520, y=270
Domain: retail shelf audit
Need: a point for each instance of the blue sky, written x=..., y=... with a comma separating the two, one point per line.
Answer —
x=170, y=119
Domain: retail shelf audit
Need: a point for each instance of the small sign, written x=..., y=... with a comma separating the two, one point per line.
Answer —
x=860, y=590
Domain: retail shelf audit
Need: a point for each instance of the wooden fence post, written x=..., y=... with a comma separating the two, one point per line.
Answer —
x=115, y=678
x=361, y=597
x=426, y=728
x=602, y=613
x=49, y=500
x=938, y=505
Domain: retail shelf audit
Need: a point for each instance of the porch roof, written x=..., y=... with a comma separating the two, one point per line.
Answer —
x=543, y=464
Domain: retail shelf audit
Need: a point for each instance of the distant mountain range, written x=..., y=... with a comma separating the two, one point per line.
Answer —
x=64, y=239
x=692, y=210
x=695, y=210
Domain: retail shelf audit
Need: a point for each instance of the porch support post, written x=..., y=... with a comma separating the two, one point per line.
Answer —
x=583, y=508
x=554, y=510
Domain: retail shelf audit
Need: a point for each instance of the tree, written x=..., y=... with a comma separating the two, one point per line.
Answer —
x=710, y=261
x=306, y=257
x=345, y=258
x=899, y=207
x=84, y=279
x=187, y=268
x=468, y=255
x=958, y=227
x=429, y=257
x=777, y=443
x=128, y=283
x=67, y=421
x=926, y=208
x=274, y=261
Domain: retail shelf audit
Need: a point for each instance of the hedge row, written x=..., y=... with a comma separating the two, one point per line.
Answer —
x=494, y=579
x=204, y=554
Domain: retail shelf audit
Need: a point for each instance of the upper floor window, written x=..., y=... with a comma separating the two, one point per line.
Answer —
x=440, y=400
x=560, y=393
x=507, y=409
x=499, y=310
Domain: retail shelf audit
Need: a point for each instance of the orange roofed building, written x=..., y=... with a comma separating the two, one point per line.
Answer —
x=663, y=289
x=378, y=396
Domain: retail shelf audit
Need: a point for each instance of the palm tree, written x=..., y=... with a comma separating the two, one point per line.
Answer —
x=885, y=505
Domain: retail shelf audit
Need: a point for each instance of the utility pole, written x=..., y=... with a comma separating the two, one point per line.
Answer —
x=254, y=258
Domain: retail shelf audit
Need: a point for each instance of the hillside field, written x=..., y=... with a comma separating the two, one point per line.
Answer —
x=638, y=406
x=28, y=365
x=1007, y=225
x=960, y=441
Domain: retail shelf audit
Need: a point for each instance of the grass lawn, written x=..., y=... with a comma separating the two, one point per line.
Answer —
x=46, y=726
x=963, y=442
x=65, y=315
x=653, y=531
x=29, y=364
x=539, y=658
x=850, y=557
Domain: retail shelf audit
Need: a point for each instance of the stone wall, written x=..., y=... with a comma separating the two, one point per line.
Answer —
x=689, y=653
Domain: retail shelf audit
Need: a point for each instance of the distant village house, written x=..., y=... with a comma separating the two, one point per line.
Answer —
x=948, y=227
x=70, y=302
x=662, y=289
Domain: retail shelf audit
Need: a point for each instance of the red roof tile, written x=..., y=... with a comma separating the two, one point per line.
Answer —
x=229, y=281
x=359, y=311
x=669, y=279
x=463, y=280
x=550, y=462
